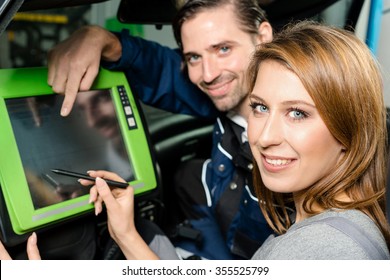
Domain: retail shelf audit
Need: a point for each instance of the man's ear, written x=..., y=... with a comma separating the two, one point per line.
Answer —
x=265, y=32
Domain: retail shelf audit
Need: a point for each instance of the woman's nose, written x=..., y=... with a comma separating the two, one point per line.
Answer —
x=272, y=131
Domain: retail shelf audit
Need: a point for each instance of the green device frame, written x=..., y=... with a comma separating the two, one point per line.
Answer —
x=28, y=82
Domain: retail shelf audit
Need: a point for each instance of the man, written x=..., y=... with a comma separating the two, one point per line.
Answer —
x=216, y=39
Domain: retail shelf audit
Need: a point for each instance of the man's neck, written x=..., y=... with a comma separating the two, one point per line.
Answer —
x=241, y=121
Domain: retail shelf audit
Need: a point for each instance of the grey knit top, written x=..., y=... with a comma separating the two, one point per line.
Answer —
x=319, y=241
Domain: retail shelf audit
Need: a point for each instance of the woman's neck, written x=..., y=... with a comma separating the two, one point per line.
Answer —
x=301, y=214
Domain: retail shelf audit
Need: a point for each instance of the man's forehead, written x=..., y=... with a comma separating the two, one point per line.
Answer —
x=210, y=29
x=216, y=17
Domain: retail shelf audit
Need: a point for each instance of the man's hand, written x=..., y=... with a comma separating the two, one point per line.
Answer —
x=74, y=63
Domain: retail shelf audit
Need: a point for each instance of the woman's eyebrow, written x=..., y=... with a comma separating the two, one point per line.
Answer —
x=297, y=102
x=286, y=102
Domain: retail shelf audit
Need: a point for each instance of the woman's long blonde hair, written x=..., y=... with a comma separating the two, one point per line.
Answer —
x=344, y=80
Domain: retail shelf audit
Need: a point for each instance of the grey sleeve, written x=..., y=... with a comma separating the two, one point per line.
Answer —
x=163, y=248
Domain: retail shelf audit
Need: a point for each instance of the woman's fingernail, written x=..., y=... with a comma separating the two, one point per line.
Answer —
x=99, y=182
x=96, y=211
x=34, y=238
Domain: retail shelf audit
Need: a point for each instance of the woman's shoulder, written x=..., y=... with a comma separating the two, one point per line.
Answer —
x=342, y=220
x=320, y=237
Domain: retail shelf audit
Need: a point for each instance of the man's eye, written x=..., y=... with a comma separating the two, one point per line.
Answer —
x=224, y=49
x=193, y=58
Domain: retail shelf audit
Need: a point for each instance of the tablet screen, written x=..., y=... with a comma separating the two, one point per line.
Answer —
x=88, y=139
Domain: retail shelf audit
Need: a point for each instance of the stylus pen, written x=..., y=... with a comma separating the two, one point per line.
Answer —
x=111, y=183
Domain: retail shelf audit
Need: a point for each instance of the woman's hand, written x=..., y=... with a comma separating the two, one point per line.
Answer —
x=120, y=212
x=119, y=203
x=32, y=249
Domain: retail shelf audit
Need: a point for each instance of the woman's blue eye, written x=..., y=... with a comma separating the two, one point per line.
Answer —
x=259, y=107
x=262, y=108
x=297, y=114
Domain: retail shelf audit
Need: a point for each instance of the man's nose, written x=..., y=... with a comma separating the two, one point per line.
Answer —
x=210, y=69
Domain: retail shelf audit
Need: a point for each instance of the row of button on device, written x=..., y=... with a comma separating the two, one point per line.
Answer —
x=127, y=108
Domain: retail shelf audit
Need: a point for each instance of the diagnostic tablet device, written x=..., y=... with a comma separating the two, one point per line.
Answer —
x=104, y=130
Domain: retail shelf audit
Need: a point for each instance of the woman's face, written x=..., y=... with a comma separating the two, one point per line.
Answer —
x=289, y=141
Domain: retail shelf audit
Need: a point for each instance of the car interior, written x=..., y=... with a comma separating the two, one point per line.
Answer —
x=28, y=28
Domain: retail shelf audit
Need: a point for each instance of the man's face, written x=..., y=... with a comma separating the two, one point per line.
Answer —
x=99, y=112
x=217, y=54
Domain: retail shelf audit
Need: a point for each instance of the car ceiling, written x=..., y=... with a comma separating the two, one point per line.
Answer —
x=162, y=11
x=29, y=5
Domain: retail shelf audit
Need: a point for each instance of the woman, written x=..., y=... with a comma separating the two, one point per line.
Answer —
x=317, y=132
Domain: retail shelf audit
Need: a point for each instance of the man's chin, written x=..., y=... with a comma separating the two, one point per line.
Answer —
x=222, y=106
